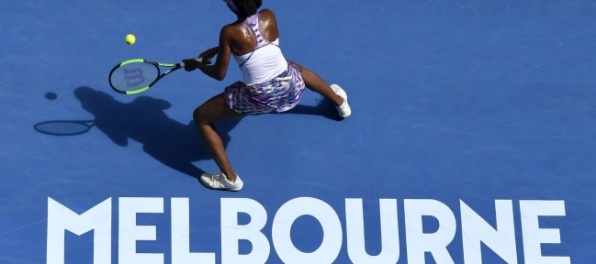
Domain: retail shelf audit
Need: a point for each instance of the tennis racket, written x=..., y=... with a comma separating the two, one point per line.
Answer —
x=137, y=75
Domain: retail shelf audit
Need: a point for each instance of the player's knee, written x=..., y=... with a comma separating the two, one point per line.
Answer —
x=199, y=115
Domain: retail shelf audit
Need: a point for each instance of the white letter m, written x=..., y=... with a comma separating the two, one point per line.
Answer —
x=61, y=218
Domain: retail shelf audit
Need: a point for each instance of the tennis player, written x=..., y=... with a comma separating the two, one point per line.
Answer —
x=270, y=82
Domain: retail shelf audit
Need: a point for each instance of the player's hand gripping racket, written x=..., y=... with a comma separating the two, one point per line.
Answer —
x=137, y=75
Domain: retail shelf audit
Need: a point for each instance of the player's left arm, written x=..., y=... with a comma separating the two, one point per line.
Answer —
x=208, y=55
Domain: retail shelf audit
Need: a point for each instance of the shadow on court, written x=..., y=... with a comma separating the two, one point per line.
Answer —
x=323, y=107
x=170, y=142
x=143, y=120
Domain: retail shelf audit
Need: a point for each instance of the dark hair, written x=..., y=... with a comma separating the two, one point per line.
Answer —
x=247, y=8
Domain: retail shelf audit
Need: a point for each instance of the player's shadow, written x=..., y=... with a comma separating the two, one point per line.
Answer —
x=172, y=143
x=323, y=107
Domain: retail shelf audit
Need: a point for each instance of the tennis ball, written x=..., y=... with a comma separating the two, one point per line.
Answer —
x=130, y=39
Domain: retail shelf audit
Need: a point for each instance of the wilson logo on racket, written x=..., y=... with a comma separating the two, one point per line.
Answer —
x=133, y=77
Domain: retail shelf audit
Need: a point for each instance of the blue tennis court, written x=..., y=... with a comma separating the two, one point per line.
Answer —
x=472, y=137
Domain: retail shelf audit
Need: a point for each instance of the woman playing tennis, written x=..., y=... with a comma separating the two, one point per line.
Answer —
x=270, y=82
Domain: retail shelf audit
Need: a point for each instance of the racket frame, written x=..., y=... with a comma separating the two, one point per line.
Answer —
x=172, y=66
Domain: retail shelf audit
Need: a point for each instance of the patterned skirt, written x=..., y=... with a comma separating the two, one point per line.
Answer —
x=280, y=94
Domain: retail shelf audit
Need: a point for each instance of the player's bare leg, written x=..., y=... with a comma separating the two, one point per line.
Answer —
x=334, y=93
x=214, y=110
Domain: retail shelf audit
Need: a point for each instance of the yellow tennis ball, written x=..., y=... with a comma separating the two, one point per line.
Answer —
x=130, y=39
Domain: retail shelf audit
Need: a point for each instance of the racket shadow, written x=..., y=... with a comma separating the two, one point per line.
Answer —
x=64, y=127
x=143, y=120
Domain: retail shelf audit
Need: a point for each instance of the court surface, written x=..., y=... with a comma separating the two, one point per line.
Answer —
x=472, y=138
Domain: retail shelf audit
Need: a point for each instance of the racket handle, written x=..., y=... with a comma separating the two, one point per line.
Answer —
x=200, y=60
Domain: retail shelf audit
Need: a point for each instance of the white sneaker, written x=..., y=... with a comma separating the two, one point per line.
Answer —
x=220, y=182
x=344, y=109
